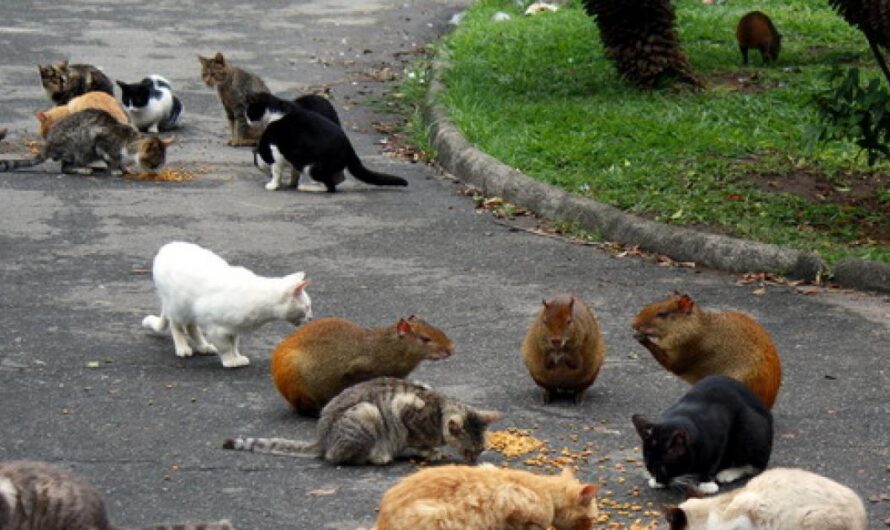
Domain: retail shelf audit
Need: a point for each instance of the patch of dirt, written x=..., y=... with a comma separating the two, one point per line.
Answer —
x=854, y=190
x=743, y=81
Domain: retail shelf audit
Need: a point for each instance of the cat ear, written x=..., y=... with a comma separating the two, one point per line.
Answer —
x=643, y=426
x=403, y=327
x=121, y=84
x=588, y=494
x=412, y=318
x=41, y=116
x=455, y=425
x=168, y=140
x=489, y=416
x=218, y=58
x=685, y=304
x=675, y=517
x=679, y=440
x=298, y=289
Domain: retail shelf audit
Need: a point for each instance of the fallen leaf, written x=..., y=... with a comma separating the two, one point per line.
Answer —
x=760, y=291
x=93, y=364
x=324, y=492
x=809, y=291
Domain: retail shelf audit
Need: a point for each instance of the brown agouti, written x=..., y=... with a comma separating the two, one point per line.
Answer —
x=756, y=30
x=325, y=356
x=564, y=349
x=693, y=343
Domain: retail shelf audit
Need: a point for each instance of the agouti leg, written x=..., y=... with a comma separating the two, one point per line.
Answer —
x=578, y=397
x=548, y=395
x=764, y=54
x=744, y=51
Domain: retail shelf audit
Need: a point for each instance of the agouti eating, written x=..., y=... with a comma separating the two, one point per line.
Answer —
x=564, y=349
x=756, y=30
x=325, y=356
x=693, y=343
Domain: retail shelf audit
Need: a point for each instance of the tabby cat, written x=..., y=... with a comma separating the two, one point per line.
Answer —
x=94, y=135
x=233, y=84
x=41, y=496
x=63, y=81
x=90, y=100
x=377, y=421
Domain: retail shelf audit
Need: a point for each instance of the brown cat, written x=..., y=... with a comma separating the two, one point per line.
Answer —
x=487, y=498
x=90, y=100
x=63, y=81
x=233, y=84
x=36, y=495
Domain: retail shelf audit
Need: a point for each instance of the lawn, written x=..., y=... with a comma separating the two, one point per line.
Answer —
x=538, y=93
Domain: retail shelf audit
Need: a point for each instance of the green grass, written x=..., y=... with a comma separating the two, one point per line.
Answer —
x=538, y=94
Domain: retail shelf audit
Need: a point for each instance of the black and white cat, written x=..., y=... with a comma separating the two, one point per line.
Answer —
x=151, y=104
x=307, y=140
x=718, y=430
x=263, y=108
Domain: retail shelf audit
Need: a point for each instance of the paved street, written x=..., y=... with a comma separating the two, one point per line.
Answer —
x=147, y=427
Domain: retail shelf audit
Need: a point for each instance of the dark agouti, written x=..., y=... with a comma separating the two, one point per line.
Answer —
x=325, y=356
x=756, y=30
x=563, y=348
x=694, y=343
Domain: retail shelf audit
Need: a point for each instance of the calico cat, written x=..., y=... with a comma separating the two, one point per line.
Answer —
x=90, y=100
x=487, y=498
x=377, y=421
x=263, y=108
x=719, y=429
x=777, y=499
x=94, y=135
x=63, y=81
x=36, y=495
x=233, y=84
x=306, y=140
x=151, y=104
x=201, y=293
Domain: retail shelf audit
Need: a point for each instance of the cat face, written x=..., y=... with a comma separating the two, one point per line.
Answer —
x=576, y=507
x=52, y=76
x=152, y=152
x=299, y=307
x=213, y=70
x=665, y=449
x=465, y=431
x=136, y=95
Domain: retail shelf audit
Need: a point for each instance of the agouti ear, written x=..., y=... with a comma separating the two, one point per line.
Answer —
x=643, y=426
x=544, y=302
x=403, y=327
x=685, y=304
x=588, y=494
x=571, y=303
x=412, y=318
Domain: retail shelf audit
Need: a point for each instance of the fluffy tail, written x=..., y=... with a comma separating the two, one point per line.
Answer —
x=10, y=165
x=225, y=524
x=359, y=171
x=156, y=324
x=274, y=446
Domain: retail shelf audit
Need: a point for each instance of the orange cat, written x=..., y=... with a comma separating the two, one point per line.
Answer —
x=487, y=498
x=90, y=100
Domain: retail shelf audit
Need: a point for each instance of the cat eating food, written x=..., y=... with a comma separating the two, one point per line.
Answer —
x=201, y=293
x=151, y=104
x=378, y=421
x=91, y=100
x=718, y=430
x=40, y=496
x=94, y=135
x=777, y=499
x=487, y=498
x=63, y=81
x=233, y=84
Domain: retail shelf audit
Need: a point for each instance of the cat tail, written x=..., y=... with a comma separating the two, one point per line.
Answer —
x=3, y=133
x=224, y=524
x=172, y=121
x=274, y=446
x=10, y=165
x=359, y=171
x=156, y=324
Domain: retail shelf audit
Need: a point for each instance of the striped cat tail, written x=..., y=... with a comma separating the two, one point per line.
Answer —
x=10, y=165
x=225, y=524
x=274, y=446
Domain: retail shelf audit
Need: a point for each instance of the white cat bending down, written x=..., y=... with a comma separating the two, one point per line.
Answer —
x=201, y=293
x=151, y=104
x=777, y=499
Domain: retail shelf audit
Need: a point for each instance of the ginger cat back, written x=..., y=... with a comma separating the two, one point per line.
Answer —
x=325, y=356
x=91, y=100
x=693, y=343
x=564, y=349
x=487, y=498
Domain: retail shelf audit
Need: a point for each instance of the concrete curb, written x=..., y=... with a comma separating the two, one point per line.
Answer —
x=494, y=178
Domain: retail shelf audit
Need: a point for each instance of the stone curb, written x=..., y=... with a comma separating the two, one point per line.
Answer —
x=494, y=178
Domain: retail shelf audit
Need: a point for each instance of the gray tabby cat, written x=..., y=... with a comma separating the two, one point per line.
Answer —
x=94, y=135
x=233, y=84
x=377, y=421
x=36, y=495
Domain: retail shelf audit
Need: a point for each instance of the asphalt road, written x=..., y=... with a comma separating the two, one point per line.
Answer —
x=146, y=427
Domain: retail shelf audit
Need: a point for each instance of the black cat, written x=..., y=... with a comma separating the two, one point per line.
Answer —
x=263, y=107
x=718, y=430
x=307, y=140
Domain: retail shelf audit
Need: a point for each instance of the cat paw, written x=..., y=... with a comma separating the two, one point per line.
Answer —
x=654, y=484
x=708, y=488
x=235, y=361
x=731, y=474
x=208, y=349
x=271, y=186
x=184, y=352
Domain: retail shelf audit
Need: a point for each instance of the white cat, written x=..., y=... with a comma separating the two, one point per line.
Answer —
x=777, y=499
x=199, y=291
x=151, y=104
